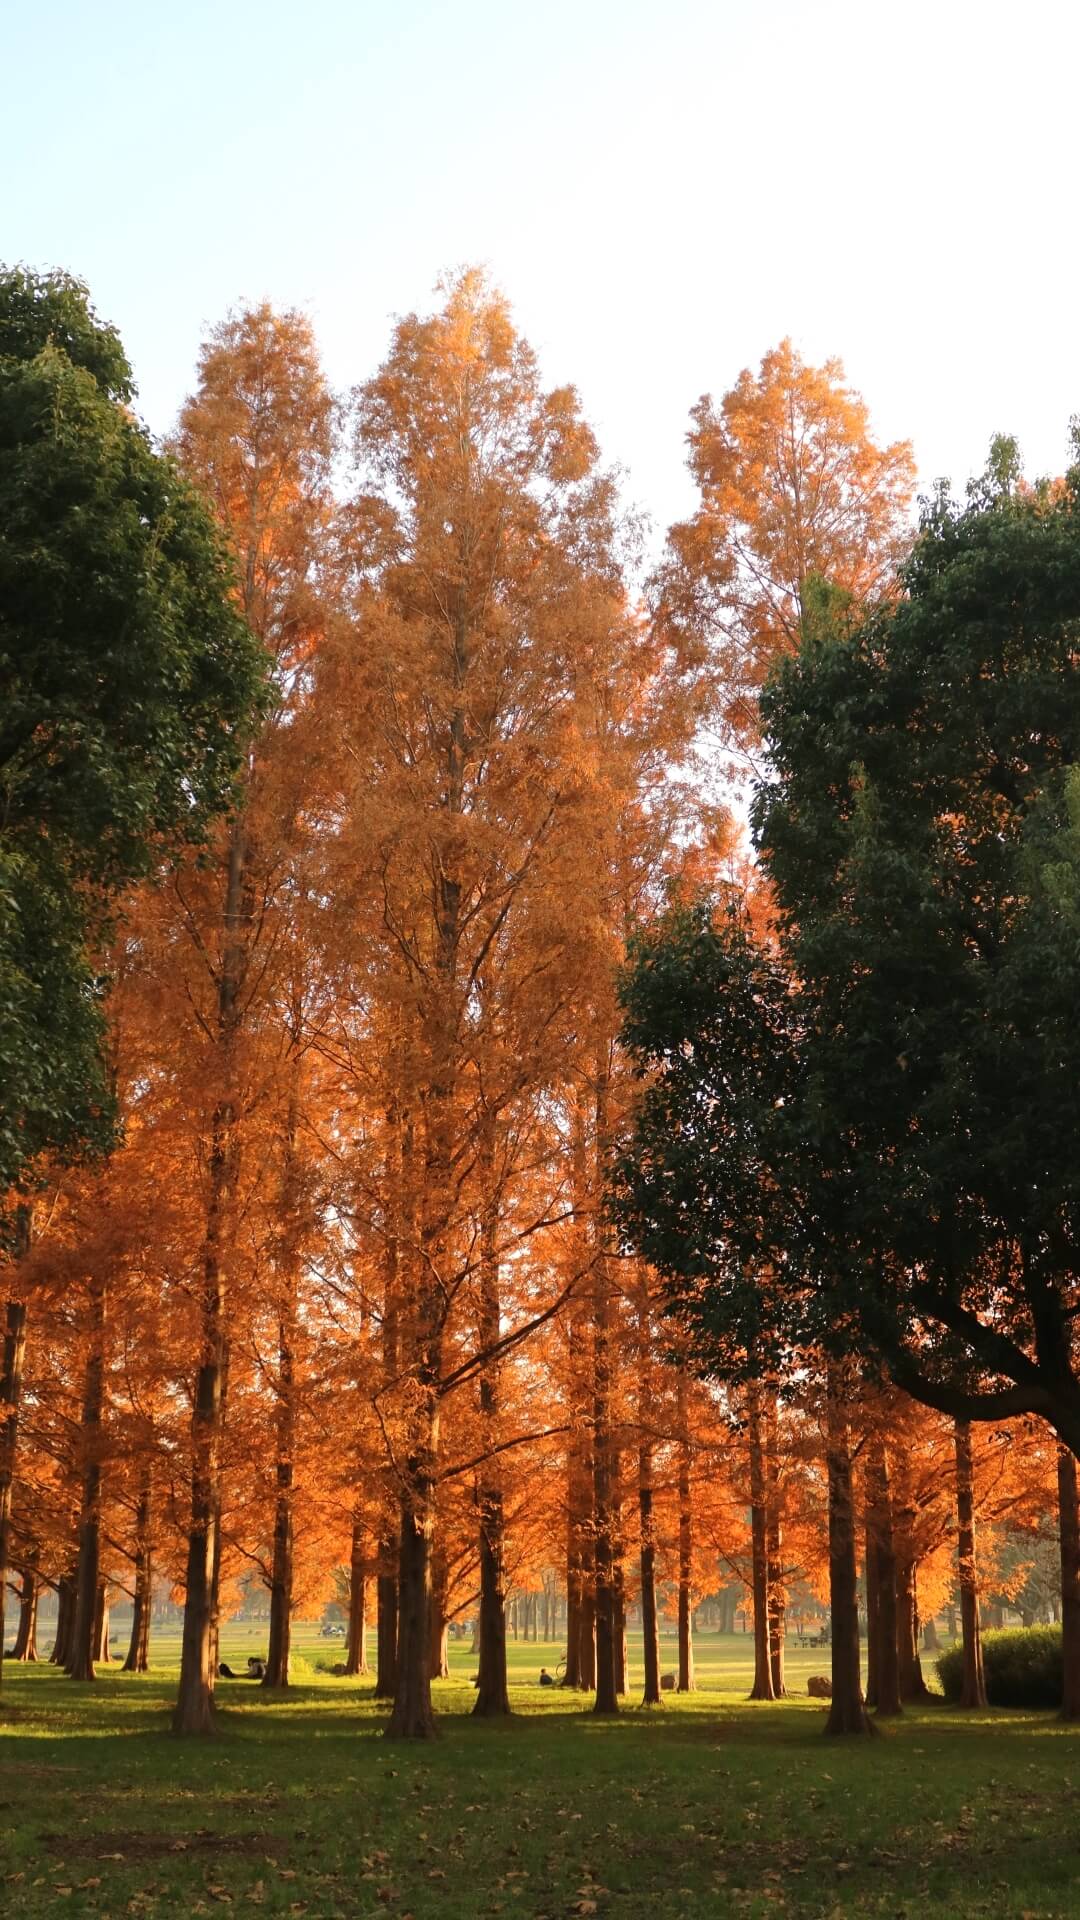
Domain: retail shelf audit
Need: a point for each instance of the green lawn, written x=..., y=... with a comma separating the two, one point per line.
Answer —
x=709, y=1806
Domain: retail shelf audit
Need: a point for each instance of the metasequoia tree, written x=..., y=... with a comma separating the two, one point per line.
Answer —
x=489, y=609
x=258, y=437
x=793, y=487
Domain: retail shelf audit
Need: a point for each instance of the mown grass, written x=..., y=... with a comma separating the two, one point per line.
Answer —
x=710, y=1806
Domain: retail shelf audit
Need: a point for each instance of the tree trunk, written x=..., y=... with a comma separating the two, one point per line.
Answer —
x=356, y=1638
x=579, y=1481
x=872, y=1613
x=438, y=1638
x=100, y=1646
x=650, y=1624
x=276, y=1674
x=82, y=1650
x=138, y=1654
x=620, y=1629
x=763, y=1687
x=194, y=1711
x=774, y=1550
x=913, y=1687
x=887, y=1699
x=386, y=1614
x=65, y=1613
x=25, y=1647
x=492, y=1694
x=10, y=1398
x=847, y=1714
x=1069, y=1523
x=413, y=1717
x=604, y=1488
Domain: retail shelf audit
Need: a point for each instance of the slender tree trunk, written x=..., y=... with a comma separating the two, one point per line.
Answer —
x=774, y=1549
x=685, y=1604
x=138, y=1654
x=973, y=1684
x=620, y=1628
x=276, y=1674
x=578, y=1480
x=650, y=1624
x=100, y=1646
x=888, y=1697
x=25, y=1647
x=604, y=1477
x=81, y=1656
x=1069, y=1523
x=356, y=1638
x=386, y=1612
x=763, y=1687
x=10, y=1398
x=873, y=1633
x=194, y=1711
x=492, y=1694
x=439, y=1663
x=847, y=1713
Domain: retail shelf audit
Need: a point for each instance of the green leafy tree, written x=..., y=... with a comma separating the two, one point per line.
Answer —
x=127, y=680
x=922, y=831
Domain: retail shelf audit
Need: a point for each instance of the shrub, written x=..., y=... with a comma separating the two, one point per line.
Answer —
x=1022, y=1664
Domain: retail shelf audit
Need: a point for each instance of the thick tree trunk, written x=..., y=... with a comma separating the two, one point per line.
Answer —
x=82, y=1651
x=138, y=1654
x=887, y=1697
x=1069, y=1523
x=763, y=1687
x=65, y=1614
x=913, y=1687
x=847, y=1713
x=413, y=1717
x=25, y=1647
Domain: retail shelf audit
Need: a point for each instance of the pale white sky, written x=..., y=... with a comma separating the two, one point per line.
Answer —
x=664, y=191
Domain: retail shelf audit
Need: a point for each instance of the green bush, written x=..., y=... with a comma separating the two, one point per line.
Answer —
x=1022, y=1664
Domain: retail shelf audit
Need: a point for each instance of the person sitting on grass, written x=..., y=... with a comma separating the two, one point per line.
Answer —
x=546, y=1679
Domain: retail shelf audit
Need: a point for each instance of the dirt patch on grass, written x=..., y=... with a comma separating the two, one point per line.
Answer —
x=155, y=1846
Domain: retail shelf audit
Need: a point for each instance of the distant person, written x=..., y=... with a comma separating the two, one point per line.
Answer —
x=546, y=1679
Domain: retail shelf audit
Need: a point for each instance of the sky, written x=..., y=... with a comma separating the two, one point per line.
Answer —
x=663, y=190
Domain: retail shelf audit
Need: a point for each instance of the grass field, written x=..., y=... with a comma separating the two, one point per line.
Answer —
x=709, y=1806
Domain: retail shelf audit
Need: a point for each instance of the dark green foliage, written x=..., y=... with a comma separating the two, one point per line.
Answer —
x=127, y=686
x=922, y=830
x=720, y=1185
x=1023, y=1668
